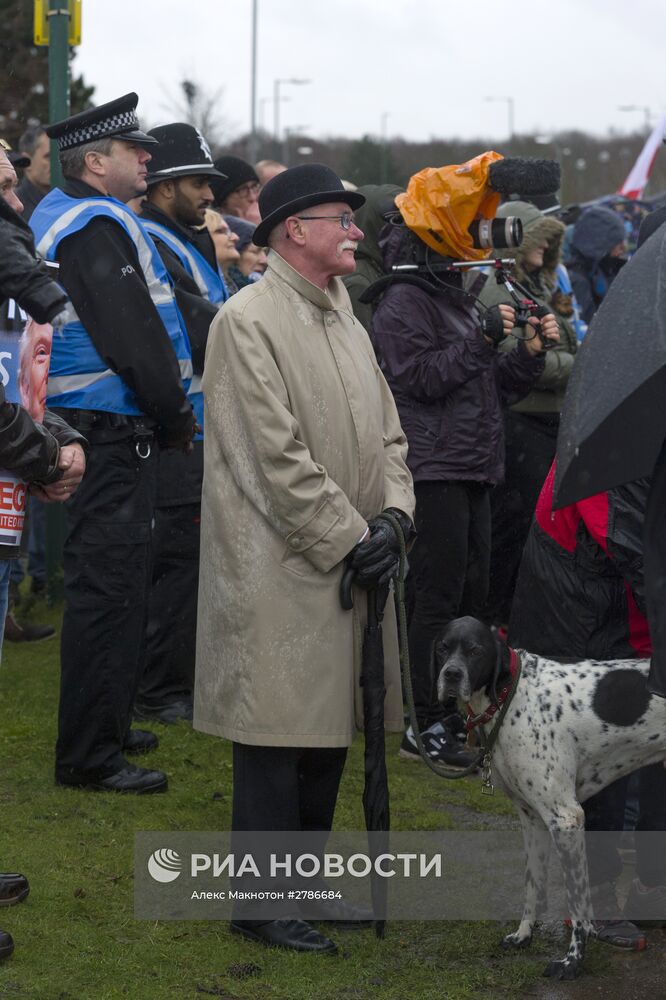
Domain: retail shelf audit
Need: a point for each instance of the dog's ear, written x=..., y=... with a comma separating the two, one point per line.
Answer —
x=502, y=666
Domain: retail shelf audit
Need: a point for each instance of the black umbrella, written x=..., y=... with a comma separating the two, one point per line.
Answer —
x=613, y=424
x=614, y=416
x=375, y=789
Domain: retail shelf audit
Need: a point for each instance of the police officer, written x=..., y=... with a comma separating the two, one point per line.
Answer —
x=117, y=375
x=178, y=195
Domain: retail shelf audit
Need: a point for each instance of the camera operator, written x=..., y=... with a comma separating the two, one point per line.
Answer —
x=531, y=425
x=449, y=384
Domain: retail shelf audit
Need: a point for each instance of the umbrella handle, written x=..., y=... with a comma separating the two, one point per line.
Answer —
x=346, y=592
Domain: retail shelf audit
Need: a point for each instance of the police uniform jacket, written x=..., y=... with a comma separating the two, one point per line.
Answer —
x=179, y=475
x=99, y=268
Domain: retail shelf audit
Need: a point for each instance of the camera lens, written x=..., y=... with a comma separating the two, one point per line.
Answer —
x=496, y=234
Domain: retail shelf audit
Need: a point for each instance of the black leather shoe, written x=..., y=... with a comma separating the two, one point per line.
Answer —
x=293, y=934
x=337, y=911
x=138, y=780
x=140, y=741
x=15, y=632
x=175, y=711
x=6, y=945
x=13, y=889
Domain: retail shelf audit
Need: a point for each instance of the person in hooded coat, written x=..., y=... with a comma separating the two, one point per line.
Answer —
x=371, y=218
x=531, y=424
x=595, y=256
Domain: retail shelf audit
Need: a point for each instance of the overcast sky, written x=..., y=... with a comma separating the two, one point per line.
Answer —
x=427, y=65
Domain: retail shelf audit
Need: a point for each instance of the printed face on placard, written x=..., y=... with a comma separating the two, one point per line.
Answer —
x=35, y=356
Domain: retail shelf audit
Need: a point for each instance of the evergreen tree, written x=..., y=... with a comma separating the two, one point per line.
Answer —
x=24, y=98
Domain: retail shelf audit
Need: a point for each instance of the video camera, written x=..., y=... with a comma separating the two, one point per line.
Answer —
x=427, y=267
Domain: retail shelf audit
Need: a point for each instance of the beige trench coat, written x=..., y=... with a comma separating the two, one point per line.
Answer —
x=302, y=444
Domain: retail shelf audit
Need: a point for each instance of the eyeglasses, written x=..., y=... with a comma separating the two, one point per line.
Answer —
x=247, y=190
x=345, y=219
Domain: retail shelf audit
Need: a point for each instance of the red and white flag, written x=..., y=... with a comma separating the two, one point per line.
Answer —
x=639, y=174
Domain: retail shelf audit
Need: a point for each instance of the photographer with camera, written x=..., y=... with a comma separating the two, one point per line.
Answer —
x=449, y=383
x=530, y=425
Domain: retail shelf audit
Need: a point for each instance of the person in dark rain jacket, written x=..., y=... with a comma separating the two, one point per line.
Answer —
x=581, y=594
x=449, y=385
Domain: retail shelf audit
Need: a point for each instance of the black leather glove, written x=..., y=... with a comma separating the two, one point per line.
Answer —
x=181, y=439
x=376, y=559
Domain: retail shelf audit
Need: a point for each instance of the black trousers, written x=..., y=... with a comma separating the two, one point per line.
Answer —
x=449, y=565
x=531, y=440
x=168, y=671
x=283, y=788
x=605, y=812
x=107, y=558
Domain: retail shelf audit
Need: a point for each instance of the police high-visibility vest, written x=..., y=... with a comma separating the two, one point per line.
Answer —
x=209, y=282
x=79, y=378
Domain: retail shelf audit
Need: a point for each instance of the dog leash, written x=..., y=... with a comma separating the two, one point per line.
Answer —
x=488, y=742
x=484, y=757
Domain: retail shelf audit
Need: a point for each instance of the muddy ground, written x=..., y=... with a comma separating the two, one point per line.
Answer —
x=626, y=975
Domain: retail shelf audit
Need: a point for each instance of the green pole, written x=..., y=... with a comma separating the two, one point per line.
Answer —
x=58, y=74
x=58, y=108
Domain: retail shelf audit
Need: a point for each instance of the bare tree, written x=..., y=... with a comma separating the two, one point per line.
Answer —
x=204, y=109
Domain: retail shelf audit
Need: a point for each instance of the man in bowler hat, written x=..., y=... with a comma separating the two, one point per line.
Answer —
x=119, y=374
x=303, y=449
x=179, y=177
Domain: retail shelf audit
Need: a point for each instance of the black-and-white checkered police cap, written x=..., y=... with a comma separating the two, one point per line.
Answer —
x=116, y=119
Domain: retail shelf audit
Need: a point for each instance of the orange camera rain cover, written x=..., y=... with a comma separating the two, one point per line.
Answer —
x=441, y=202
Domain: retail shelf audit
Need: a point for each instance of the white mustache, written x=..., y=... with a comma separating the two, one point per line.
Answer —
x=348, y=245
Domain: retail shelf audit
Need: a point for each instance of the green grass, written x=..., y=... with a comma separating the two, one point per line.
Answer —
x=76, y=936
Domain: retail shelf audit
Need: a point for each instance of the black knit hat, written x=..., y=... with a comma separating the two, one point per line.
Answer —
x=182, y=151
x=297, y=188
x=236, y=171
x=113, y=120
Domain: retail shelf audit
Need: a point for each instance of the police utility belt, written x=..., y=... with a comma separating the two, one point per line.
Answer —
x=101, y=427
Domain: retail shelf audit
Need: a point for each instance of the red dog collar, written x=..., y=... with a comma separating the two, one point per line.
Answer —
x=480, y=720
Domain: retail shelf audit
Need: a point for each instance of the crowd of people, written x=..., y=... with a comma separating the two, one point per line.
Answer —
x=234, y=399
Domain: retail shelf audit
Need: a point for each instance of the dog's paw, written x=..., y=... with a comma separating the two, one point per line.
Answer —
x=515, y=940
x=565, y=969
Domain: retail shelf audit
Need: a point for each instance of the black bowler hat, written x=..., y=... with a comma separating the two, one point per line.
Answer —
x=182, y=151
x=114, y=120
x=236, y=172
x=298, y=188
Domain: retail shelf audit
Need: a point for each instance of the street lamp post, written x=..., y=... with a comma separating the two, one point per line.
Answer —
x=510, y=103
x=263, y=101
x=638, y=107
x=288, y=132
x=252, y=144
x=295, y=81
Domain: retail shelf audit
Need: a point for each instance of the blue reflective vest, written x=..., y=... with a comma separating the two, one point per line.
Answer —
x=209, y=282
x=78, y=377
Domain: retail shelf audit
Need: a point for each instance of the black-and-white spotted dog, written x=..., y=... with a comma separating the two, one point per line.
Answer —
x=569, y=730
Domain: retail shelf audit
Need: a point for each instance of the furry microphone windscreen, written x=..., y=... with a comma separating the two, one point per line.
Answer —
x=523, y=176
